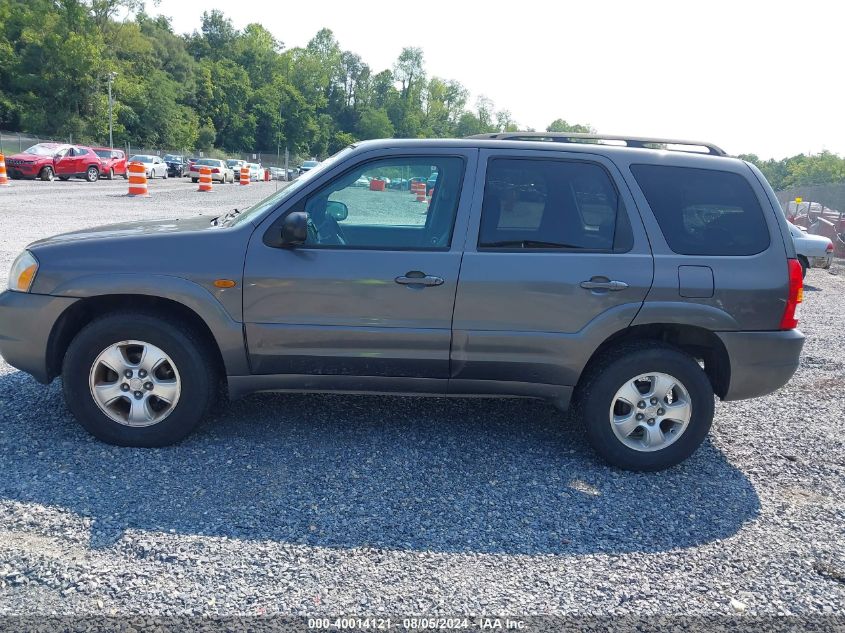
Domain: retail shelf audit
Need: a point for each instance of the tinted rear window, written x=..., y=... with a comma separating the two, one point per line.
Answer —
x=704, y=211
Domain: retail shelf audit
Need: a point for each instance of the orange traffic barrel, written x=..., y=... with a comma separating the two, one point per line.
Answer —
x=205, y=178
x=244, y=175
x=138, y=180
x=376, y=185
x=421, y=195
x=4, y=180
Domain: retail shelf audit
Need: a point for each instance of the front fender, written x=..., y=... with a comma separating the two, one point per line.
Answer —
x=227, y=331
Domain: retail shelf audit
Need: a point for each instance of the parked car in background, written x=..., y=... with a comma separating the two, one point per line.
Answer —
x=362, y=182
x=176, y=165
x=635, y=284
x=431, y=182
x=114, y=162
x=190, y=165
x=235, y=165
x=814, y=251
x=308, y=165
x=277, y=173
x=156, y=168
x=50, y=160
x=256, y=171
x=220, y=172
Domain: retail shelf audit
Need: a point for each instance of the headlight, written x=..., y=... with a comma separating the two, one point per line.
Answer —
x=23, y=272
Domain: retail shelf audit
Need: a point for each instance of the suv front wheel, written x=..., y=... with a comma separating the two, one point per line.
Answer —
x=646, y=406
x=137, y=380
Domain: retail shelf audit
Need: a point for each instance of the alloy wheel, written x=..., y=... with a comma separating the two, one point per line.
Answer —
x=650, y=412
x=135, y=383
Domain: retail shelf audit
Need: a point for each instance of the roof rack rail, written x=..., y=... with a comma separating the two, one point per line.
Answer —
x=627, y=141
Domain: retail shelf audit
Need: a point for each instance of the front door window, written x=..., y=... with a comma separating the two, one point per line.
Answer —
x=397, y=203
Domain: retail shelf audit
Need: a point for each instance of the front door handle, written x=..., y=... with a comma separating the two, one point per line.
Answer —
x=604, y=285
x=418, y=278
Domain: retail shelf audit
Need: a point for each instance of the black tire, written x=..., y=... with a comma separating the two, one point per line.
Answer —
x=804, y=265
x=165, y=175
x=111, y=174
x=47, y=173
x=194, y=179
x=92, y=174
x=64, y=178
x=602, y=380
x=190, y=355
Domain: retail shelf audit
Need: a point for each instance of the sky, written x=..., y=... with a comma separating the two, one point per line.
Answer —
x=750, y=76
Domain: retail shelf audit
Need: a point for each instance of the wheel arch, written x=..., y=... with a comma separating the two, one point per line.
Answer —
x=700, y=343
x=227, y=347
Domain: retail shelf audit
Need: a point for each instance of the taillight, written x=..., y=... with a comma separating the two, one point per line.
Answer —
x=795, y=297
x=829, y=247
x=215, y=171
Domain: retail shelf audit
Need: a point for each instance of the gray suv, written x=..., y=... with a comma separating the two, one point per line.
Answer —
x=630, y=279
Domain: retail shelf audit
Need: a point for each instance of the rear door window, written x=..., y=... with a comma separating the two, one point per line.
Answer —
x=551, y=204
x=704, y=211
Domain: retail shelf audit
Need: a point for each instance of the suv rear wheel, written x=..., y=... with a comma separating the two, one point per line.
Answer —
x=137, y=380
x=646, y=406
x=92, y=174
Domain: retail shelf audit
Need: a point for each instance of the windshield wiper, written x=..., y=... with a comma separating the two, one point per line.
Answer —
x=225, y=218
x=528, y=244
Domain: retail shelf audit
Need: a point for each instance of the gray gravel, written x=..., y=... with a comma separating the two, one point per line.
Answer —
x=288, y=504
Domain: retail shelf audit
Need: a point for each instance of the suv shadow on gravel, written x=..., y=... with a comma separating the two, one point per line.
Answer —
x=363, y=471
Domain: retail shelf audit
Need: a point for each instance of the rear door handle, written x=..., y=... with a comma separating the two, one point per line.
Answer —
x=604, y=285
x=417, y=278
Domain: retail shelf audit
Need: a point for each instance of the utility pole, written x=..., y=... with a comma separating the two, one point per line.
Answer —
x=112, y=75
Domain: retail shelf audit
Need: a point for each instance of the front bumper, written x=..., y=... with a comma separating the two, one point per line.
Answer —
x=26, y=322
x=760, y=362
x=23, y=170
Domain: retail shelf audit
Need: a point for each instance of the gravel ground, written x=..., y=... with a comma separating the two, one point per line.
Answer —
x=288, y=504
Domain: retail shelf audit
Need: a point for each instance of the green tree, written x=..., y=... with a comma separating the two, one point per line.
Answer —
x=374, y=124
x=560, y=125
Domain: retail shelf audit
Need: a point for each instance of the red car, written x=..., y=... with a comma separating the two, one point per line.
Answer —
x=48, y=160
x=114, y=162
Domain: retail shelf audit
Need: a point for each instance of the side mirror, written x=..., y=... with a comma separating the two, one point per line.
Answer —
x=337, y=210
x=295, y=228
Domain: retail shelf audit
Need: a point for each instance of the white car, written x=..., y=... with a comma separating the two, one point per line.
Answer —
x=814, y=251
x=155, y=166
x=256, y=171
x=220, y=172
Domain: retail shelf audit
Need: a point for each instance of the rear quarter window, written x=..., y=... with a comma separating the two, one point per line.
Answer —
x=704, y=211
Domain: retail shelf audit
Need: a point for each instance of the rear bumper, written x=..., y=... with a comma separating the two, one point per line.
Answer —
x=761, y=362
x=821, y=262
x=26, y=321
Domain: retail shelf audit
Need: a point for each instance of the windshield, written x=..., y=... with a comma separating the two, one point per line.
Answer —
x=42, y=150
x=310, y=163
x=232, y=163
x=172, y=157
x=141, y=159
x=271, y=202
x=208, y=161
